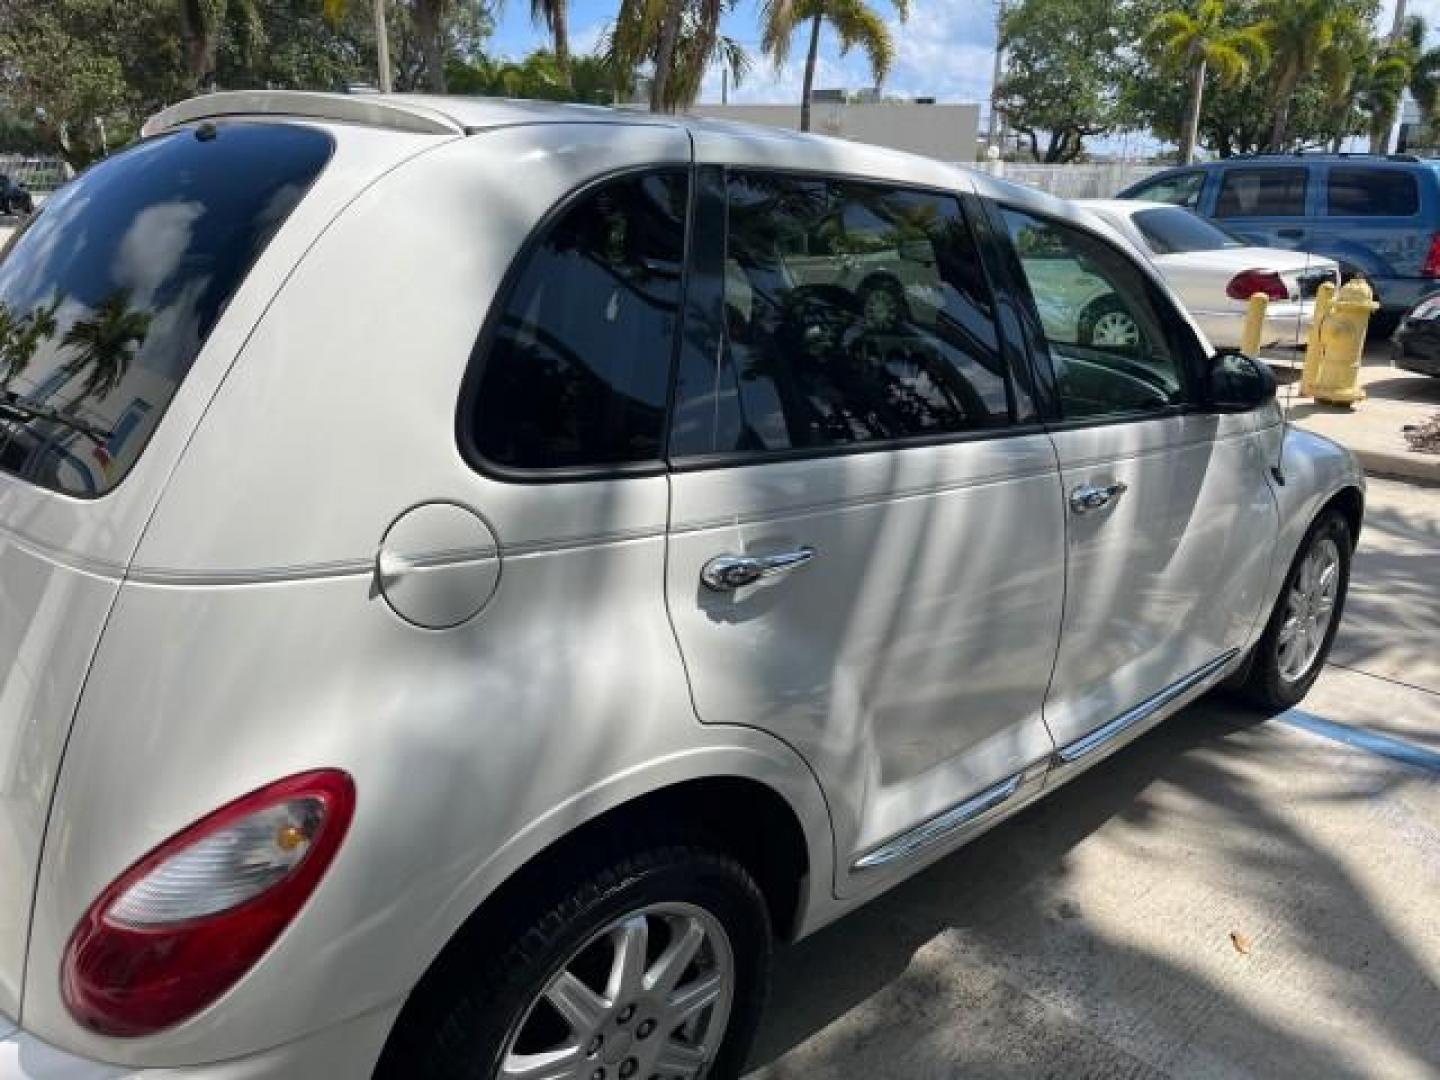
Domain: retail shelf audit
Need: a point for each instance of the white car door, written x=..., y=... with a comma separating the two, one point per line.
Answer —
x=1170, y=518
x=866, y=558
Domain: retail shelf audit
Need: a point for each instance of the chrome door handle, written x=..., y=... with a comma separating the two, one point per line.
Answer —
x=726, y=573
x=1088, y=497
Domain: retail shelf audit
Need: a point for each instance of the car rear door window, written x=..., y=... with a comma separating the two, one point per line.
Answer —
x=575, y=371
x=1264, y=192
x=110, y=293
x=1354, y=192
x=854, y=312
x=1109, y=345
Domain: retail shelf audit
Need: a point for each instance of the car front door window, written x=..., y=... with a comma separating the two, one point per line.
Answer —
x=1108, y=344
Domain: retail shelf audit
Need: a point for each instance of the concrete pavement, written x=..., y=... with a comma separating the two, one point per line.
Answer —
x=1232, y=896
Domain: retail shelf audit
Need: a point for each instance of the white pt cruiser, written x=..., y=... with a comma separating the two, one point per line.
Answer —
x=463, y=600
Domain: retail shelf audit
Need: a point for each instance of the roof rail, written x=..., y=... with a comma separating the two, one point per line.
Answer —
x=1322, y=154
x=372, y=110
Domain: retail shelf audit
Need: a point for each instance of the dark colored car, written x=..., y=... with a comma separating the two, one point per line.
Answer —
x=1417, y=343
x=14, y=199
x=1376, y=216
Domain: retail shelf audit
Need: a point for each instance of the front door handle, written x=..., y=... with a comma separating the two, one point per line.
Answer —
x=726, y=573
x=1088, y=497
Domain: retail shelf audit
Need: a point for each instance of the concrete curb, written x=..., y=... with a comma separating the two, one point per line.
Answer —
x=1414, y=466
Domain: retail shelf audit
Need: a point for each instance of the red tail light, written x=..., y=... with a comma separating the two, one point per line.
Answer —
x=1249, y=282
x=181, y=926
x=1431, y=269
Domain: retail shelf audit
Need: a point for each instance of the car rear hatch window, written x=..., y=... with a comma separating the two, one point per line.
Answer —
x=108, y=296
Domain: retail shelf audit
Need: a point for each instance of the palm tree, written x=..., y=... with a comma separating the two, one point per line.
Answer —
x=21, y=337
x=1197, y=42
x=681, y=38
x=854, y=20
x=1302, y=38
x=105, y=344
x=555, y=14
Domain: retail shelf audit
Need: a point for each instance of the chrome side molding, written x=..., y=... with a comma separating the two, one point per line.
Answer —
x=940, y=826
x=1074, y=751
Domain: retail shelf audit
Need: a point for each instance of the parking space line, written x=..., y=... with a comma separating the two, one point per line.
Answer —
x=1362, y=739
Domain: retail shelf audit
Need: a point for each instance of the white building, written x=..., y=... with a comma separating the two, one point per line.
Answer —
x=947, y=132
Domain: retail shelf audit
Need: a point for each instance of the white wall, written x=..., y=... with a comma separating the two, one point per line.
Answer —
x=947, y=132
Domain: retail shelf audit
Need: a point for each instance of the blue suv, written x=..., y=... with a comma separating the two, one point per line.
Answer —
x=1378, y=216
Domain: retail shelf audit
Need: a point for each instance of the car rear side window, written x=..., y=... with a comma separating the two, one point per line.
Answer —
x=1372, y=193
x=110, y=293
x=575, y=370
x=854, y=312
x=1181, y=189
x=1266, y=192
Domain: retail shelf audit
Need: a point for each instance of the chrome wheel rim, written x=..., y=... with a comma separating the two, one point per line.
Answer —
x=1115, y=328
x=1309, y=610
x=647, y=996
x=880, y=309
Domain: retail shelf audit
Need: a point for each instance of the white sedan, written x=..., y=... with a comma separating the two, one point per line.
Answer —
x=1215, y=273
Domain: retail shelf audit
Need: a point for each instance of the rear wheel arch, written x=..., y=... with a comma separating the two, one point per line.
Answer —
x=739, y=817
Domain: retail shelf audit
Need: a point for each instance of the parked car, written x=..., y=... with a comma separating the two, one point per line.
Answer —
x=14, y=198
x=465, y=601
x=1376, y=216
x=1416, y=345
x=1215, y=272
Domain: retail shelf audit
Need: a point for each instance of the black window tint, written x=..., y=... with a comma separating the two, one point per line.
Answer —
x=109, y=294
x=1268, y=192
x=578, y=369
x=853, y=313
x=1372, y=193
x=1105, y=328
x=1182, y=189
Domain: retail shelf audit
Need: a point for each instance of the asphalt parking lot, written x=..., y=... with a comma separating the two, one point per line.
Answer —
x=1234, y=895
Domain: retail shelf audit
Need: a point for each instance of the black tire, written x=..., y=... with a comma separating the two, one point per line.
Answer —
x=1265, y=685
x=459, y=1021
x=1097, y=310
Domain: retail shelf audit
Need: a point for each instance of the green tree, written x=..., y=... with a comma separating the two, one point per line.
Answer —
x=555, y=15
x=855, y=21
x=75, y=67
x=1197, y=42
x=104, y=344
x=681, y=38
x=1302, y=35
x=1066, y=65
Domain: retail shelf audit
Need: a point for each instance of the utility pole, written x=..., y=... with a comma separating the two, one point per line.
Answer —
x=996, y=134
x=382, y=47
x=1397, y=28
x=724, y=86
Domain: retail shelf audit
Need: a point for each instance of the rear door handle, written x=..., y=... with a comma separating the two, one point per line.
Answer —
x=726, y=573
x=1088, y=498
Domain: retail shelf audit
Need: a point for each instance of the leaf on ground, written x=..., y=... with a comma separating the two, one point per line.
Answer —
x=1241, y=942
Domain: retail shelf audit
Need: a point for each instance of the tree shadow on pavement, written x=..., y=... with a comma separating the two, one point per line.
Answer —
x=989, y=964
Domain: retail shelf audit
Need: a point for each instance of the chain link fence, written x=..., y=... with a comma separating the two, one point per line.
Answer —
x=1088, y=180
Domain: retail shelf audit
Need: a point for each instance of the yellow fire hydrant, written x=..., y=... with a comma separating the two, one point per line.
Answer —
x=1254, y=326
x=1336, y=342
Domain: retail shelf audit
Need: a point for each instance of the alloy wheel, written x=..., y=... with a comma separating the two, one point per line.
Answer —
x=1309, y=609
x=648, y=997
x=1115, y=329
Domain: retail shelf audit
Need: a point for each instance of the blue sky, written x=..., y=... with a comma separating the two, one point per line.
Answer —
x=944, y=50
